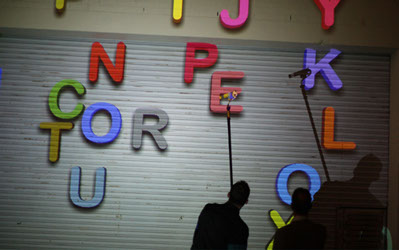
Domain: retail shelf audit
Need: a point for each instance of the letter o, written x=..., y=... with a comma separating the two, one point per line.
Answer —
x=284, y=175
x=115, y=125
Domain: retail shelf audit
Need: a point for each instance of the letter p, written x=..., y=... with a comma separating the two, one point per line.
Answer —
x=192, y=62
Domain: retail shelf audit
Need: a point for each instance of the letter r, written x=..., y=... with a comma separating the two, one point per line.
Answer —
x=139, y=127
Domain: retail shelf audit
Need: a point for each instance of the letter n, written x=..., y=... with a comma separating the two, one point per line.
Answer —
x=115, y=71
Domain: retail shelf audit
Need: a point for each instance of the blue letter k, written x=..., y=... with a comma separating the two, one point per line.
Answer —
x=324, y=67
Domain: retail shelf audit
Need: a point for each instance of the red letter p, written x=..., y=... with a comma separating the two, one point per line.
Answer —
x=192, y=62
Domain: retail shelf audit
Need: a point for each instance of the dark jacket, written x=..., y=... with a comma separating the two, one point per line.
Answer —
x=301, y=234
x=220, y=227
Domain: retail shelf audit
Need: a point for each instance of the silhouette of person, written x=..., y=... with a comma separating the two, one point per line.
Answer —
x=220, y=225
x=301, y=233
x=352, y=215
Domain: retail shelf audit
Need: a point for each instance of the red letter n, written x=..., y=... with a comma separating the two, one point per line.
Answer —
x=192, y=62
x=116, y=72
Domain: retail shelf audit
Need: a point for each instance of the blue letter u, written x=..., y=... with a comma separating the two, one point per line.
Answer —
x=74, y=191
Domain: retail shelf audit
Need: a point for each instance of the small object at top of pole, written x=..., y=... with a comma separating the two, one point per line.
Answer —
x=302, y=73
x=230, y=96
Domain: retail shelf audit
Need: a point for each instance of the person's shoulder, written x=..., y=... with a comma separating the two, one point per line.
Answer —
x=317, y=228
x=211, y=207
x=321, y=228
x=316, y=224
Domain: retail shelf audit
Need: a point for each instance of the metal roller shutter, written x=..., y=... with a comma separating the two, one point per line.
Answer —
x=153, y=197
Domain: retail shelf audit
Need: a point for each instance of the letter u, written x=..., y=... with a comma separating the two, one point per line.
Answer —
x=74, y=191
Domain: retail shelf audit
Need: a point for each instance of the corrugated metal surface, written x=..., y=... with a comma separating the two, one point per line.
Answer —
x=153, y=198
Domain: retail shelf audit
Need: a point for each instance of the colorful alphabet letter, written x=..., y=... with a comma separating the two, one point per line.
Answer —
x=139, y=127
x=324, y=67
x=243, y=11
x=60, y=4
x=54, y=95
x=217, y=90
x=115, y=125
x=55, y=136
x=327, y=8
x=116, y=72
x=74, y=189
x=279, y=222
x=177, y=10
x=284, y=175
x=327, y=139
x=192, y=62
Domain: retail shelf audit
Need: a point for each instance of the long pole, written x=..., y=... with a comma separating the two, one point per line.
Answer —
x=230, y=155
x=305, y=97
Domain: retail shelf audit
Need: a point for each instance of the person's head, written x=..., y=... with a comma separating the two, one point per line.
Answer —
x=239, y=193
x=301, y=201
x=368, y=169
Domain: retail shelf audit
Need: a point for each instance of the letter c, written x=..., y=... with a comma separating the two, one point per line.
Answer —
x=54, y=95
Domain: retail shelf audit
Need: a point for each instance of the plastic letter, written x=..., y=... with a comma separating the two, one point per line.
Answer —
x=74, y=190
x=116, y=72
x=115, y=125
x=192, y=62
x=327, y=139
x=324, y=67
x=177, y=10
x=327, y=8
x=55, y=137
x=284, y=175
x=154, y=130
x=54, y=95
x=279, y=222
x=217, y=90
x=59, y=4
x=243, y=10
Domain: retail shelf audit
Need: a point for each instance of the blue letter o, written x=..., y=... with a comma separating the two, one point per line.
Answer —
x=115, y=125
x=284, y=175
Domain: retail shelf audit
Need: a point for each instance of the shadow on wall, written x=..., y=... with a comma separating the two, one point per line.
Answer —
x=354, y=218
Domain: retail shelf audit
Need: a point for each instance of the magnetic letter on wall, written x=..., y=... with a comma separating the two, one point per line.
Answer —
x=60, y=4
x=284, y=175
x=116, y=72
x=177, y=10
x=243, y=10
x=327, y=139
x=74, y=189
x=55, y=136
x=115, y=125
x=139, y=127
x=192, y=62
x=327, y=8
x=217, y=90
x=324, y=67
x=279, y=222
x=54, y=95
